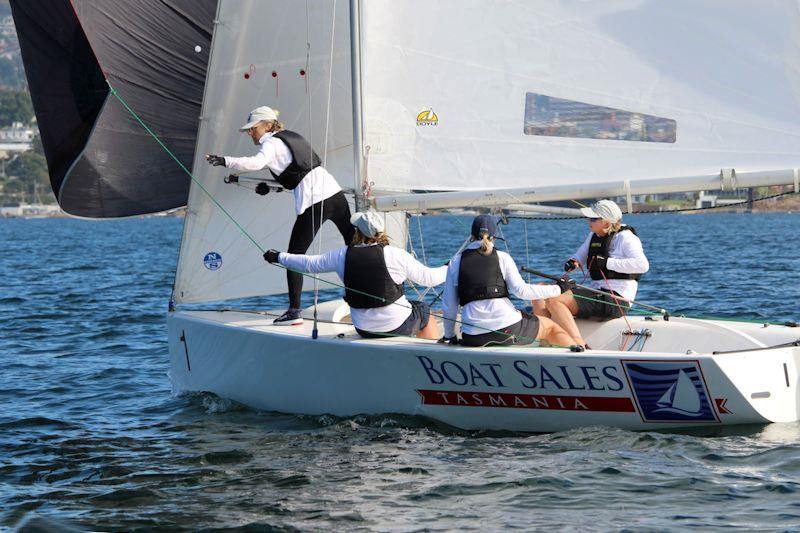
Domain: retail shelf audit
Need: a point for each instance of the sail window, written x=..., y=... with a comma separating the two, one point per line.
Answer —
x=556, y=117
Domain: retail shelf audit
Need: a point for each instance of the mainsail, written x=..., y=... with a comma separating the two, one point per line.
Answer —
x=534, y=94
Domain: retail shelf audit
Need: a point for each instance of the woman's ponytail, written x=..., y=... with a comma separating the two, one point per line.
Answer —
x=486, y=244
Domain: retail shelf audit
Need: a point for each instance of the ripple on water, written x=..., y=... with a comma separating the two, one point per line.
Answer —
x=91, y=438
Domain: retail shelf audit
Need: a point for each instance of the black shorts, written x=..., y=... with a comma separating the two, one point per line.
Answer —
x=416, y=321
x=599, y=306
x=523, y=332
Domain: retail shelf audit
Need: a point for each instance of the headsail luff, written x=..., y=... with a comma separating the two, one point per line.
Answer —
x=259, y=57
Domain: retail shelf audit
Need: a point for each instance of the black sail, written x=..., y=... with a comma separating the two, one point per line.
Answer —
x=102, y=163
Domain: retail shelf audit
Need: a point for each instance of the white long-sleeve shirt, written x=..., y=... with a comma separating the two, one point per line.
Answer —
x=482, y=316
x=625, y=255
x=316, y=186
x=401, y=266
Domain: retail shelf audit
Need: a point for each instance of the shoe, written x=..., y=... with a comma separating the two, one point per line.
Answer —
x=290, y=318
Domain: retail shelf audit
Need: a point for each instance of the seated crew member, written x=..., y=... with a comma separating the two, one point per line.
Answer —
x=613, y=254
x=317, y=196
x=376, y=272
x=479, y=280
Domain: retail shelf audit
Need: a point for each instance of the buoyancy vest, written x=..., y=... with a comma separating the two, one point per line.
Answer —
x=304, y=159
x=599, y=246
x=480, y=277
x=365, y=271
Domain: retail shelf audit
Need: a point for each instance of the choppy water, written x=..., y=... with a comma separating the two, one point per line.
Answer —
x=90, y=436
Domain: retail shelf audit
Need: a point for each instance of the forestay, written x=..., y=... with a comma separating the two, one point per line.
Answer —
x=259, y=56
x=459, y=95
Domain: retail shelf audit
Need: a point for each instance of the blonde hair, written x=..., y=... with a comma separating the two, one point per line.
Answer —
x=613, y=227
x=272, y=125
x=486, y=244
x=381, y=238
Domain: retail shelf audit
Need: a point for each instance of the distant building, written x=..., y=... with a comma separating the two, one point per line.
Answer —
x=16, y=138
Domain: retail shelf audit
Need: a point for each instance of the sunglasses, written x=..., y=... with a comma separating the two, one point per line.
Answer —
x=594, y=219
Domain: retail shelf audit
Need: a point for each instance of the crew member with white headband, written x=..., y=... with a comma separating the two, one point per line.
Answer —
x=373, y=273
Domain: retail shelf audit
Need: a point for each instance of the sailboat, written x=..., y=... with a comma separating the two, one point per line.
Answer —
x=558, y=101
x=681, y=397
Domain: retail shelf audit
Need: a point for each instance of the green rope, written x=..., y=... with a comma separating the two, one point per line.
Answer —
x=260, y=248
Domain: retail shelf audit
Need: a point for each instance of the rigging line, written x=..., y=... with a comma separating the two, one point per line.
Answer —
x=183, y=167
x=257, y=245
x=527, y=251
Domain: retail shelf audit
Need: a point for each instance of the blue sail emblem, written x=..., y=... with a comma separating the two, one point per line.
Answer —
x=670, y=391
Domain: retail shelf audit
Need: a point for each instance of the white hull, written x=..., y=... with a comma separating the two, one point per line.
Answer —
x=241, y=356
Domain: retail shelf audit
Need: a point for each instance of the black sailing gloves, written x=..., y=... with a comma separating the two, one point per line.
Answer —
x=566, y=284
x=271, y=256
x=449, y=340
x=215, y=160
x=570, y=265
x=262, y=189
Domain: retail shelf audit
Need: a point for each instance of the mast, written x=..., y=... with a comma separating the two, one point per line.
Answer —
x=358, y=126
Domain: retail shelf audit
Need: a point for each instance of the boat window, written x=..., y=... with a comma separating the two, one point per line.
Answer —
x=555, y=117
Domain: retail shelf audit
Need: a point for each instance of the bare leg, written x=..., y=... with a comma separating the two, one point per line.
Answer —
x=540, y=308
x=553, y=333
x=431, y=331
x=563, y=316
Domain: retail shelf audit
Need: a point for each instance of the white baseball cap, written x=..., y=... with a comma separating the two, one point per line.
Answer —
x=605, y=209
x=258, y=114
x=370, y=223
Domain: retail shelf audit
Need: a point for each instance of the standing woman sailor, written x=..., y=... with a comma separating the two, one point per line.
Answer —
x=613, y=255
x=317, y=196
x=373, y=273
x=479, y=280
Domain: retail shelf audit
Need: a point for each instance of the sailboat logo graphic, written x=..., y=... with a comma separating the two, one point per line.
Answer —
x=681, y=397
x=670, y=391
x=427, y=117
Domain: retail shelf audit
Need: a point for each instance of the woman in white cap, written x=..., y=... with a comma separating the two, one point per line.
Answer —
x=613, y=255
x=294, y=164
x=373, y=273
x=479, y=281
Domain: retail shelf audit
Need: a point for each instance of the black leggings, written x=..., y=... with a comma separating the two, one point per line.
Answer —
x=305, y=229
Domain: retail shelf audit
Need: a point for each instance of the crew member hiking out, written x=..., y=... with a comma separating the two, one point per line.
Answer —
x=317, y=196
x=479, y=281
x=613, y=255
x=373, y=274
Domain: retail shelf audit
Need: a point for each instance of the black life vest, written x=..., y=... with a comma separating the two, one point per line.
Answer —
x=480, y=277
x=365, y=271
x=304, y=159
x=599, y=246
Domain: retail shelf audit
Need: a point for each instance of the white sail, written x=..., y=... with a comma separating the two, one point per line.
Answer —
x=258, y=57
x=531, y=94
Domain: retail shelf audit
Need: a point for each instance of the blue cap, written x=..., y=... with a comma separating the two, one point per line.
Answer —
x=484, y=224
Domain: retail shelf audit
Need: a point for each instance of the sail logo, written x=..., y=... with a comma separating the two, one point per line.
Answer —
x=670, y=391
x=212, y=260
x=427, y=117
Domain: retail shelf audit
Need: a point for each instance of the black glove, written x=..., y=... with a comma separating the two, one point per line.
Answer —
x=216, y=160
x=601, y=262
x=570, y=265
x=566, y=284
x=262, y=189
x=271, y=256
x=452, y=341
